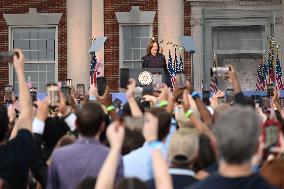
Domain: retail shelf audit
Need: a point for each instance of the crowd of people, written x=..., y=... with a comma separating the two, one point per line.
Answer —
x=178, y=142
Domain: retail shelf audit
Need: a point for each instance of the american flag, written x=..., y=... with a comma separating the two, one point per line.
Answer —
x=261, y=78
x=93, y=71
x=213, y=87
x=279, y=84
x=171, y=70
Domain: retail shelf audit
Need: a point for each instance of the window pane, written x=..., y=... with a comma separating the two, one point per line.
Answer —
x=50, y=55
x=50, y=67
x=41, y=34
x=42, y=67
x=42, y=77
x=34, y=55
x=136, y=42
x=17, y=34
x=136, y=31
x=25, y=34
x=33, y=34
x=42, y=44
x=145, y=31
x=136, y=54
x=41, y=87
x=50, y=45
x=42, y=55
x=50, y=77
x=50, y=34
x=34, y=45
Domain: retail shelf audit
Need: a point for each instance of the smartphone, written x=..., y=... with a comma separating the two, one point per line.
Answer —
x=8, y=93
x=81, y=90
x=181, y=80
x=124, y=77
x=229, y=95
x=68, y=83
x=117, y=103
x=265, y=104
x=219, y=72
x=53, y=95
x=271, y=130
x=206, y=97
x=101, y=85
x=6, y=56
x=33, y=92
x=66, y=91
x=270, y=88
x=157, y=81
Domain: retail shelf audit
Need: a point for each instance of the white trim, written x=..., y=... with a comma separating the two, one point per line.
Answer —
x=135, y=16
x=32, y=18
x=177, y=171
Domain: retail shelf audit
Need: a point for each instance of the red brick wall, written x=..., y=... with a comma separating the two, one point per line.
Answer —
x=42, y=6
x=111, y=60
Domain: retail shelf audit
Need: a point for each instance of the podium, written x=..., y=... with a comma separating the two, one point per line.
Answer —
x=137, y=73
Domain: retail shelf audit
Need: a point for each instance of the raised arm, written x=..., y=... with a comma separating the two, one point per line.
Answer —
x=106, y=177
x=25, y=118
x=162, y=177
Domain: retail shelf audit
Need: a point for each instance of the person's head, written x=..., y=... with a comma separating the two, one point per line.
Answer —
x=131, y=183
x=153, y=47
x=237, y=132
x=164, y=119
x=183, y=147
x=87, y=183
x=206, y=154
x=273, y=172
x=132, y=141
x=90, y=119
x=4, y=123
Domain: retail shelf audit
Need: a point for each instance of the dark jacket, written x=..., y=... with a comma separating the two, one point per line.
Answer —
x=158, y=61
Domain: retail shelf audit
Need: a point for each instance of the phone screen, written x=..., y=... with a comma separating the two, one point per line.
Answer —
x=271, y=135
x=229, y=95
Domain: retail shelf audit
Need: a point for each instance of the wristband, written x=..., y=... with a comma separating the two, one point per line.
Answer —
x=92, y=98
x=188, y=113
x=195, y=95
x=163, y=103
x=155, y=144
x=110, y=108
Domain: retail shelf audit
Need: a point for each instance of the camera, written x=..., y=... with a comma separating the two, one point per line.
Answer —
x=219, y=72
x=7, y=56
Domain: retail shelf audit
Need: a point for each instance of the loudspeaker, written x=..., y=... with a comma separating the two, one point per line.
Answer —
x=101, y=85
x=123, y=77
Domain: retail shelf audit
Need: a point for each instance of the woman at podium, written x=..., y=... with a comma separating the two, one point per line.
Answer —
x=154, y=59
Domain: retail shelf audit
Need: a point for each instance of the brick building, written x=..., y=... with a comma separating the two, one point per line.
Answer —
x=56, y=35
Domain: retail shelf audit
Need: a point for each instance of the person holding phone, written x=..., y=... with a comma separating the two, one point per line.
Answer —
x=154, y=59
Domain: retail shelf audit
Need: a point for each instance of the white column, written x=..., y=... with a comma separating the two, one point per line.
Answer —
x=170, y=23
x=98, y=30
x=196, y=34
x=79, y=29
